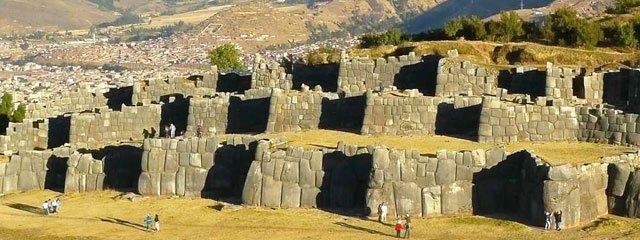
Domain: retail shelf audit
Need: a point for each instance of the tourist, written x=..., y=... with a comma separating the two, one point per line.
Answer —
x=45, y=207
x=398, y=227
x=172, y=128
x=166, y=131
x=148, y=221
x=547, y=220
x=157, y=222
x=54, y=206
x=380, y=212
x=58, y=204
x=558, y=217
x=50, y=204
x=384, y=210
x=407, y=227
x=199, y=131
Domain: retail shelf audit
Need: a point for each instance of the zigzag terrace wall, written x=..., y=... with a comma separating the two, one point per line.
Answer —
x=623, y=191
x=34, y=170
x=491, y=182
x=196, y=167
x=67, y=103
x=609, y=126
x=27, y=135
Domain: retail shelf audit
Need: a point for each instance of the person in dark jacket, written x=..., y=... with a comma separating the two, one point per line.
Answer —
x=558, y=217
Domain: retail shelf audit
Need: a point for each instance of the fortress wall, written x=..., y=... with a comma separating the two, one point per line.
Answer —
x=67, y=103
x=195, y=167
x=503, y=122
x=608, y=126
x=84, y=174
x=94, y=130
x=579, y=192
x=559, y=82
x=591, y=87
x=154, y=90
x=210, y=114
x=456, y=77
x=624, y=184
x=297, y=177
x=33, y=170
x=27, y=135
x=270, y=75
x=358, y=75
x=294, y=111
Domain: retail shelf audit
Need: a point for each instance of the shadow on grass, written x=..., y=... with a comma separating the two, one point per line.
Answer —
x=124, y=223
x=26, y=208
x=370, y=231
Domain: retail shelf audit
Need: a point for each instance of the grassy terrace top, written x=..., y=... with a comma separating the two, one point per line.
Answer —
x=553, y=152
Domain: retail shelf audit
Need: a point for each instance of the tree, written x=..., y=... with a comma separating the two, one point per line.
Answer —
x=19, y=113
x=473, y=28
x=561, y=27
x=589, y=34
x=6, y=106
x=511, y=26
x=393, y=37
x=226, y=57
x=452, y=28
x=622, y=34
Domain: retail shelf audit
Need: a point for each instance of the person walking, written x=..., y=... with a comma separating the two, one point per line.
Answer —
x=547, y=220
x=166, y=131
x=199, y=131
x=558, y=217
x=45, y=208
x=407, y=227
x=147, y=222
x=54, y=206
x=172, y=128
x=398, y=228
x=50, y=204
x=384, y=210
x=157, y=222
x=58, y=204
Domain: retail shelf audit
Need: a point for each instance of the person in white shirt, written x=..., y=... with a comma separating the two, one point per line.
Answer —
x=172, y=128
x=45, y=207
x=54, y=206
x=383, y=212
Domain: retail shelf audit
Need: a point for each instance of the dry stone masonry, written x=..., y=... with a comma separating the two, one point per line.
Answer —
x=69, y=102
x=294, y=111
x=461, y=77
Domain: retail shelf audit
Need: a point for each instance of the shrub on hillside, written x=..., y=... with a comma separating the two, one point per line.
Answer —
x=226, y=57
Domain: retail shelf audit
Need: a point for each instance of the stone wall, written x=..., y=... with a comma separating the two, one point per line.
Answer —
x=608, y=126
x=291, y=111
x=210, y=114
x=27, y=135
x=32, y=170
x=84, y=174
x=270, y=75
x=591, y=87
x=69, y=102
x=407, y=113
x=295, y=177
x=456, y=77
x=155, y=89
x=579, y=192
x=559, y=82
x=502, y=122
x=358, y=75
x=103, y=127
x=195, y=167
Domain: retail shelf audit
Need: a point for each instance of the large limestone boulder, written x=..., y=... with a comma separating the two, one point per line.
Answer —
x=446, y=172
x=562, y=173
x=618, y=177
x=271, y=192
x=456, y=198
x=253, y=185
x=27, y=180
x=309, y=196
x=291, y=194
x=633, y=196
x=431, y=201
x=408, y=198
x=563, y=196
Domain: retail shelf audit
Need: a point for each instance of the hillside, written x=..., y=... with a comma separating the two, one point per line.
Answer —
x=23, y=16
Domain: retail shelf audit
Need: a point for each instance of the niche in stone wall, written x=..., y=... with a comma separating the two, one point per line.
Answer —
x=421, y=76
x=345, y=182
x=523, y=81
x=122, y=167
x=324, y=75
x=459, y=122
x=233, y=82
x=511, y=190
x=616, y=87
x=116, y=97
x=56, y=173
x=247, y=116
x=58, y=132
x=225, y=179
x=345, y=114
x=174, y=110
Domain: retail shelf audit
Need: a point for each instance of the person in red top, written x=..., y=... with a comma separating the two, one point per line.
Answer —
x=398, y=228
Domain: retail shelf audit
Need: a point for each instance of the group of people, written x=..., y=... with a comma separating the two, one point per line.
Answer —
x=557, y=216
x=51, y=206
x=156, y=223
x=383, y=210
x=170, y=130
